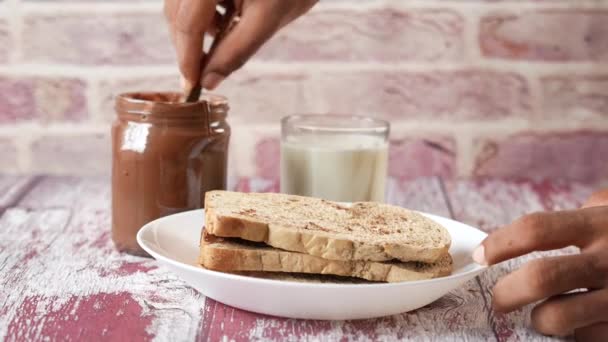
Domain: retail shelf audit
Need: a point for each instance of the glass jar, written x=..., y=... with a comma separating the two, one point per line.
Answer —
x=165, y=155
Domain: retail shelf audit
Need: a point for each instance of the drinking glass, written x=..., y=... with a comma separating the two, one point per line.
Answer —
x=335, y=157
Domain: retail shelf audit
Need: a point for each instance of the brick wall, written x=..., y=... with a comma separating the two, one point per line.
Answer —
x=472, y=88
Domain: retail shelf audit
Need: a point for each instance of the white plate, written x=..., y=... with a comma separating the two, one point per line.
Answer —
x=174, y=242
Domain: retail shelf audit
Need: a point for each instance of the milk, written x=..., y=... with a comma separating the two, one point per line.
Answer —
x=339, y=168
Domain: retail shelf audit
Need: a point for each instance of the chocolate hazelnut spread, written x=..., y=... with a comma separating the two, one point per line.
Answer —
x=165, y=155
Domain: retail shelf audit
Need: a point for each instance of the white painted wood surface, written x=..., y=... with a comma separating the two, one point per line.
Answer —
x=12, y=188
x=63, y=280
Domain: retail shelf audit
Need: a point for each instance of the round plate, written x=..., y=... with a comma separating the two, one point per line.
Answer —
x=174, y=242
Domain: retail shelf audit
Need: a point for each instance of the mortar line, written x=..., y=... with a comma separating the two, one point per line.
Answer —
x=471, y=37
x=14, y=22
x=411, y=127
x=24, y=143
x=104, y=72
x=93, y=101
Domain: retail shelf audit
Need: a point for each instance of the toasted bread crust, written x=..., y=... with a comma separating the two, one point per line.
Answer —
x=231, y=255
x=318, y=241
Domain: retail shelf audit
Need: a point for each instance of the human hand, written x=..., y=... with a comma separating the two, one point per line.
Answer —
x=189, y=20
x=584, y=313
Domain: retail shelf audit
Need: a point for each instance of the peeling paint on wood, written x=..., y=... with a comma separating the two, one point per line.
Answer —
x=12, y=188
x=460, y=315
x=67, y=282
x=69, y=192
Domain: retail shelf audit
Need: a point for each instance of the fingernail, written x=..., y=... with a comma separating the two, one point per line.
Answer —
x=212, y=80
x=479, y=255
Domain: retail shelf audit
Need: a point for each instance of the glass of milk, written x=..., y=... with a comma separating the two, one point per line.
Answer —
x=334, y=157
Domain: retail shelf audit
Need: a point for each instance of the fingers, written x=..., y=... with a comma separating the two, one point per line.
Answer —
x=536, y=232
x=597, y=199
x=254, y=28
x=190, y=21
x=170, y=10
x=547, y=277
x=593, y=333
x=562, y=315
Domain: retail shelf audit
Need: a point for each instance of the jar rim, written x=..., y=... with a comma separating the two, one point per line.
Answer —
x=168, y=103
x=170, y=97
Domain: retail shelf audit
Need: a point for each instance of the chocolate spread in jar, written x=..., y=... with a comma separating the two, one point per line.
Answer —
x=165, y=155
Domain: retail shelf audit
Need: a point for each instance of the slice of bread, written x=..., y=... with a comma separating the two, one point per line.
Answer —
x=305, y=277
x=236, y=255
x=363, y=231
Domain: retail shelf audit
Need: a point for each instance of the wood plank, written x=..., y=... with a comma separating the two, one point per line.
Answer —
x=423, y=194
x=68, y=282
x=489, y=204
x=69, y=192
x=12, y=188
x=453, y=317
x=460, y=315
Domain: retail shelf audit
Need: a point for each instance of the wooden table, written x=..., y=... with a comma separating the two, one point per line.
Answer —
x=62, y=279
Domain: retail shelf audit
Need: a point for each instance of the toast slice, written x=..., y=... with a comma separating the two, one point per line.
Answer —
x=305, y=277
x=364, y=231
x=236, y=255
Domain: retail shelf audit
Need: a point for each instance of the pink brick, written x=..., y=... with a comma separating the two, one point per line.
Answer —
x=576, y=156
x=72, y=154
x=409, y=158
x=108, y=89
x=469, y=94
x=268, y=96
x=422, y=157
x=45, y=99
x=8, y=156
x=381, y=35
x=583, y=98
x=5, y=42
x=552, y=35
x=105, y=38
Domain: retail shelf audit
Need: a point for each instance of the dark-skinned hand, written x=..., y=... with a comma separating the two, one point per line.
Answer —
x=549, y=279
